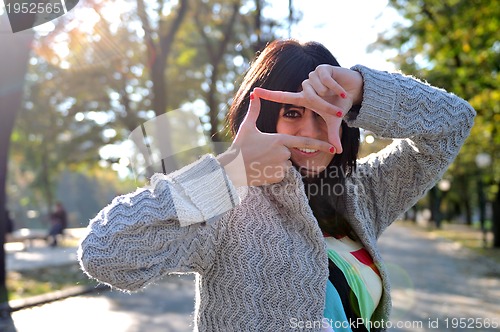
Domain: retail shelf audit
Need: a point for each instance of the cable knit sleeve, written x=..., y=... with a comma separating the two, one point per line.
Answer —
x=170, y=226
x=428, y=125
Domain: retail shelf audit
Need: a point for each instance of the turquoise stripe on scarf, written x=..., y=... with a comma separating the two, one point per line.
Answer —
x=334, y=310
x=357, y=285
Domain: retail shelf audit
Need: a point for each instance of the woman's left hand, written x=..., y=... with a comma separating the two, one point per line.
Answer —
x=329, y=91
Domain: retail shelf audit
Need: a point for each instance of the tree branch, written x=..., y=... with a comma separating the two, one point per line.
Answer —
x=167, y=40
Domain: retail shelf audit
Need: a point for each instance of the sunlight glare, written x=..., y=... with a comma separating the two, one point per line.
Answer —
x=108, y=151
x=112, y=13
x=61, y=49
x=98, y=117
x=345, y=30
x=44, y=29
x=88, y=19
x=79, y=116
x=167, y=8
x=109, y=133
x=124, y=161
x=238, y=61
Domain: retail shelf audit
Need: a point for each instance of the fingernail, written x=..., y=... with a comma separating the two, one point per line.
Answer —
x=252, y=96
x=332, y=150
x=343, y=95
x=339, y=114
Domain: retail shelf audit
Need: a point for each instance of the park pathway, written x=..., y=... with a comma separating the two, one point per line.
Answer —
x=433, y=280
x=439, y=286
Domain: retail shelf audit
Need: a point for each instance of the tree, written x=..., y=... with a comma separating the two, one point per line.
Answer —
x=454, y=44
x=215, y=42
x=230, y=38
x=48, y=139
x=13, y=68
x=117, y=74
x=159, y=38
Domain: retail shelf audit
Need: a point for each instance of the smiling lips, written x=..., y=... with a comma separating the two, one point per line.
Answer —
x=306, y=160
x=307, y=151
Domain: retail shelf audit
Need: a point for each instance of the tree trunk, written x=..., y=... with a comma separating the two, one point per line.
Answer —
x=213, y=106
x=216, y=50
x=158, y=54
x=496, y=221
x=434, y=202
x=46, y=180
x=13, y=66
x=260, y=43
x=465, y=200
x=468, y=209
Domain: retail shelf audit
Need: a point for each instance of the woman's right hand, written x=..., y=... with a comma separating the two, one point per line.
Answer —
x=256, y=158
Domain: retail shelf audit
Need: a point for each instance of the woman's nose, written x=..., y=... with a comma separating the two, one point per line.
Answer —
x=310, y=126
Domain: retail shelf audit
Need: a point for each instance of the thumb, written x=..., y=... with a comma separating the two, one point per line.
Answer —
x=250, y=120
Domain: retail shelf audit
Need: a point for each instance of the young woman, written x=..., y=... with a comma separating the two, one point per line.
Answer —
x=281, y=229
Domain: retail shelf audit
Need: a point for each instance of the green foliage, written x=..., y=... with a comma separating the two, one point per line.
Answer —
x=47, y=139
x=454, y=44
x=89, y=86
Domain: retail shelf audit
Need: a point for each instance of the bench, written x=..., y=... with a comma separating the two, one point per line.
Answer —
x=26, y=236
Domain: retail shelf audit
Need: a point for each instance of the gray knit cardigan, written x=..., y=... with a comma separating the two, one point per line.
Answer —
x=258, y=253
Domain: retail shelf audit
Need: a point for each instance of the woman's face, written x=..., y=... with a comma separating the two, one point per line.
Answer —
x=300, y=121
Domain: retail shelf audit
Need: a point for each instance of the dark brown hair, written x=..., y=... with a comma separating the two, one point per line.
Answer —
x=283, y=65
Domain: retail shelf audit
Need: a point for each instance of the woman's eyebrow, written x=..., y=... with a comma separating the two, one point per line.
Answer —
x=289, y=106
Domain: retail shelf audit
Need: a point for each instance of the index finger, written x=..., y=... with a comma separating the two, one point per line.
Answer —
x=307, y=99
x=282, y=97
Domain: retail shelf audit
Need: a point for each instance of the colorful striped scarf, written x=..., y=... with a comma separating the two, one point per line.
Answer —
x=354, y=287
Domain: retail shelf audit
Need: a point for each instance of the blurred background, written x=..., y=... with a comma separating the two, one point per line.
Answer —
x=74, y=89
x=98, y=72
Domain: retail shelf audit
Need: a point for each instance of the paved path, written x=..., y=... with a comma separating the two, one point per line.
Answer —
x=437, y=285
x=165, y=307
x=38, y=256
x=432, y=280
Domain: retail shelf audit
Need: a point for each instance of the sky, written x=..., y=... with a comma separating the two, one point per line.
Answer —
x=346, y=28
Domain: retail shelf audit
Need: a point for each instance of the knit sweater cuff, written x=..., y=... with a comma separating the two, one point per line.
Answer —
x=377, y=111
x=204, y=191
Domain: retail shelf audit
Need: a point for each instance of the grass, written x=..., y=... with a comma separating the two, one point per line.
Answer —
x=467, y=236
x=32, y=282
x=29, y=283
x=471, y=239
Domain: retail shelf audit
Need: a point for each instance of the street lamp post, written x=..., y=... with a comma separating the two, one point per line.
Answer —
x=483, y=160
x=444, y=186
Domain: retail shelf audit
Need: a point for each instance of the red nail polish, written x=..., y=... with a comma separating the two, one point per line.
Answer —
x=343, y=95
x=251, y=96
x=332, y=150
x=339, y=114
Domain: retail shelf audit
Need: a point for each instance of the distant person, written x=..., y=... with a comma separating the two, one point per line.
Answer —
x=58, y=223
x=295, y=247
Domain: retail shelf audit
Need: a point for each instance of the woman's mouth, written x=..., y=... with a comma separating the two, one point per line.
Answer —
x=305, y=151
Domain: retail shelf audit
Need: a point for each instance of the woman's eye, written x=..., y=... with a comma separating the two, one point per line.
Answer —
x=292, y=113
